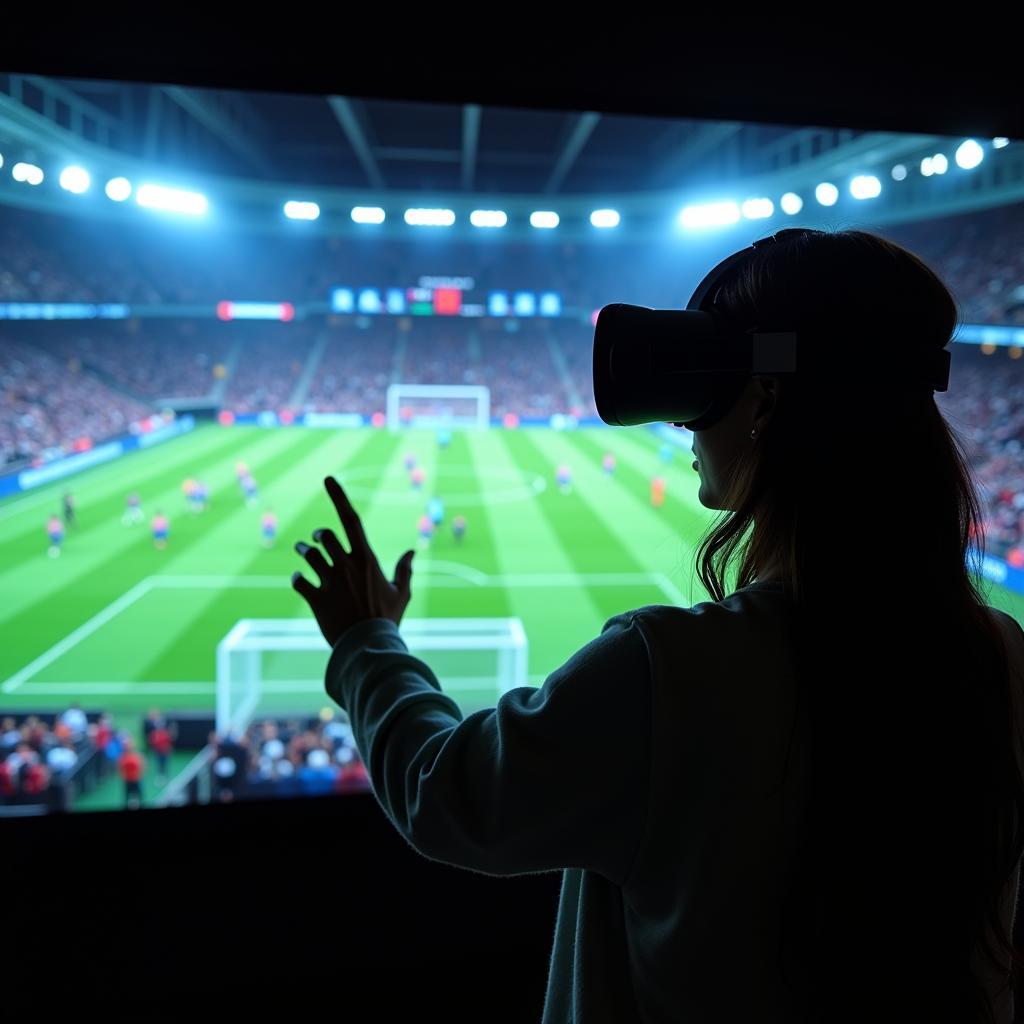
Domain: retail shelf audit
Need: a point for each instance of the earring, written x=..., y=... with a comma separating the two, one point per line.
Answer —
x=752, y=434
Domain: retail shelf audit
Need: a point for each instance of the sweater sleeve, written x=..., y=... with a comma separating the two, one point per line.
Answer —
x=551, y=778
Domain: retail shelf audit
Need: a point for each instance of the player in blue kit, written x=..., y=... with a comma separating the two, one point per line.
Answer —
x=435, y=509
x=459, y=528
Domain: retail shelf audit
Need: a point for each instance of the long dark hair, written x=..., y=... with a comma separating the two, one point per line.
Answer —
x=861, y=491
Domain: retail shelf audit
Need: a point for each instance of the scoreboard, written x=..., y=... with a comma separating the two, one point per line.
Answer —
x=445, y=297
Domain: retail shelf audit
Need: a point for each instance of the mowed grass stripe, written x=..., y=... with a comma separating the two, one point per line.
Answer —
x=456, y=473
x=123, y=558
x=558, y=619
x=303, y=507
x=652, y=537
x=585, y=539
x=87, y=549
x=100, y=492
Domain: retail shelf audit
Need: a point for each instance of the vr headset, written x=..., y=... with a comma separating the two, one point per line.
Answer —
x=688, y=367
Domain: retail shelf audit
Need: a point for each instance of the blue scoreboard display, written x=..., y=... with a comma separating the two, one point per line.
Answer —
x=445, y=300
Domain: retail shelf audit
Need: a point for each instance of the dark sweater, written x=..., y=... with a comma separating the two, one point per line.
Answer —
x=646, y=768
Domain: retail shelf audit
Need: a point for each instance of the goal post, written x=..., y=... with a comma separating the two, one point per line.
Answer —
x=465, y=406
x=275, y=667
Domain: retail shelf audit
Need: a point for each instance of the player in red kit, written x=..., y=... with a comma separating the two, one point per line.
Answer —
x=658, y=491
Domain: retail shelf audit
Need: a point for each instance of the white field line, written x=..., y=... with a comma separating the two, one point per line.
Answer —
x=457, y=576
x=87, y=628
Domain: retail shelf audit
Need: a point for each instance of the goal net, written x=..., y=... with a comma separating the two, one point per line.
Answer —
x=438, y=405
x=274, y=668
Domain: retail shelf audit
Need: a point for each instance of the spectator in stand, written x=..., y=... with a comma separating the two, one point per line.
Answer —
x=75, y=719
x=10, y=733
x=35, y=779
x=316, y=776
x=8, y=785
x=61, y=759
x=162, y=744
x=132, y=766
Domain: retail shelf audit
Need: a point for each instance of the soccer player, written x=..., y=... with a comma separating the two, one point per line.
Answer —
x=55, y=531
x=459, y=528
x=409, y=462
x=658, y=491
x=241, y=470
x=132, y=510
x=161, y=527
x=666, y=452
x=564, y=477
x=69, y=509
x=608, y=463
x=417, y=476
x=435, y=509
x=200, y=492
x=269, y=527
x=444, y=438
x=426, y=531
x=251, y=489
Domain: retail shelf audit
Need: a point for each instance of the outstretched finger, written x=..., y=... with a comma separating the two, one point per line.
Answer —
x=348, y=516
x=304, y=587
x=314, y=557
x=329, y=539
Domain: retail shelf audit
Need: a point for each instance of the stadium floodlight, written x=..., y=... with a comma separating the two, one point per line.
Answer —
x=826, y=193
x=368, y=215
x=940, y=164
x=75, y=179
x=605, y=218
x=709, y=215
x=758, y=209
x=174, y=200
x=430, y=218
x=969, y=154
x=899, y=173
x=865, y=186
x=118, y=189
x=926, y=167
x=488, y=218
x=28, y=173
x=1000, y=142
x=544, y=219
x=791, y=203
x=296, y=210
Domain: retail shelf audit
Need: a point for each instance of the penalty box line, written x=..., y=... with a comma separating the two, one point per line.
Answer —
x=464, y=574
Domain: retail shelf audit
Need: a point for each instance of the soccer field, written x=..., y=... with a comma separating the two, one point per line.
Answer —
x=122, y=626
x=118, y=624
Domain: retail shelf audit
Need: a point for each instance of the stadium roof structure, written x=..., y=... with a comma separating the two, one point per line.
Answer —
x=251, y=152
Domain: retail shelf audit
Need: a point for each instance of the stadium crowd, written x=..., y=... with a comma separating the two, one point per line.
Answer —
x=286, y=758
x=50, y=759
x=66, y=386
x=51, y=406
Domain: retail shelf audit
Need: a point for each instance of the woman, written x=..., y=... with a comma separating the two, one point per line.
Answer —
x=799, y=801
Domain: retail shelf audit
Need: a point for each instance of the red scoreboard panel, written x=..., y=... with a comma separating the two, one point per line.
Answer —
x=447, y=301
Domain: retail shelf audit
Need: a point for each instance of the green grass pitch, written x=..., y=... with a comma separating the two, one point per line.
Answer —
x=120, y=625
